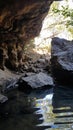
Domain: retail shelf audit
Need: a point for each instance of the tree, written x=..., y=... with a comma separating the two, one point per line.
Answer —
x=66, y=13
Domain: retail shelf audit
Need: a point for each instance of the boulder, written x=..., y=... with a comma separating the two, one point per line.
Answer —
x=36, y=81
x=8, y=80
x=62, y=61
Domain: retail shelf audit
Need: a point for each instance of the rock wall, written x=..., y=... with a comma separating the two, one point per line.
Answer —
x=20, y=21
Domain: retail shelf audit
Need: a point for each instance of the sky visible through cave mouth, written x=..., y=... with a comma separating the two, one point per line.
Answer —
x=54, y=25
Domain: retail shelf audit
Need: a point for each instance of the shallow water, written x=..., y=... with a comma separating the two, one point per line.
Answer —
x=50, y=109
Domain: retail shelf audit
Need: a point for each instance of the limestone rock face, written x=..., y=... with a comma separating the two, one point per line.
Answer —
x=62, y=61
x=20, y=21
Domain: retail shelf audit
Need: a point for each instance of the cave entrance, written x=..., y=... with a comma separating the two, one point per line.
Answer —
x=56, y=24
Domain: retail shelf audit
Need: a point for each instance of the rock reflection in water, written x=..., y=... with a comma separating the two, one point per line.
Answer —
x=19, y=113
x=57, y=109
x=63, y=108
x=46, y=108
x=39, y=110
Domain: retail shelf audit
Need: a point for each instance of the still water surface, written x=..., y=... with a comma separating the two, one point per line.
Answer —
x=50, y=109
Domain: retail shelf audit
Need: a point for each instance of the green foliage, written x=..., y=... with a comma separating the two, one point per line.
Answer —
x=66, y=13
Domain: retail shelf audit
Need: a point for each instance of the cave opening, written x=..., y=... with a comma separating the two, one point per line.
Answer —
x=27, y=32
x=55, y=24
x=26, y=36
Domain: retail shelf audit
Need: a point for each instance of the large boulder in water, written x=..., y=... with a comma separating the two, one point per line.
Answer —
x=62, y=61
x=35, y=81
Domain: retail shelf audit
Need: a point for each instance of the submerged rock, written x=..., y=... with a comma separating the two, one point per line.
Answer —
x=62, y=61
x=36, y=81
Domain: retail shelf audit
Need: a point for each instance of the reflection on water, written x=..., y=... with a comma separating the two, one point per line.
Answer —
x=50, y=109
x=46, y=109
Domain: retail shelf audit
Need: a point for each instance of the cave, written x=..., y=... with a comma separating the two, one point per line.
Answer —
x=36, y=86
x=20, y=23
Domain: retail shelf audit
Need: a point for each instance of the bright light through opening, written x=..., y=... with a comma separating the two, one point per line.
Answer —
x=52, y=28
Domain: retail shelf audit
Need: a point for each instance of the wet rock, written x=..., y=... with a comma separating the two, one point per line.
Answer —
x=36, y=81
x=62, y=61
x=8, y=80
x=3, y=98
